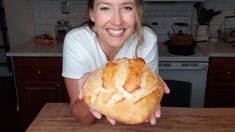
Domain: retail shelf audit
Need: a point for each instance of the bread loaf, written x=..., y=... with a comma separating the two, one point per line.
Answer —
x=124, y=89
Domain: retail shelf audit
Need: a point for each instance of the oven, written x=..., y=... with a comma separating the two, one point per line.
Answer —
x=185, y=75
x=187, y=82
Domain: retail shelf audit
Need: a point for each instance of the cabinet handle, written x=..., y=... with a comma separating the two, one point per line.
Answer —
x=57, y=85
x=228, y=73
x=39, y=72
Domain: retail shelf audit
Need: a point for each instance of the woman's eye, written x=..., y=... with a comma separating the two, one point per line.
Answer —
x=128, y=8
x=104, y=8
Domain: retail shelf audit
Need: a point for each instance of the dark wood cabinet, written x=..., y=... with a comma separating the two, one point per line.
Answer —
x=220, y=90
x=38, y=81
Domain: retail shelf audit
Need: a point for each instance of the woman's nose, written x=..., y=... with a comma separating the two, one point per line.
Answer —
x=117, y=18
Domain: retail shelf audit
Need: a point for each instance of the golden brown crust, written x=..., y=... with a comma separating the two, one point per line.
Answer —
x=124, y=89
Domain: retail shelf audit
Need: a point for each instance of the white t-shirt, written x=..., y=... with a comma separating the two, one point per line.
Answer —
x=82, y=53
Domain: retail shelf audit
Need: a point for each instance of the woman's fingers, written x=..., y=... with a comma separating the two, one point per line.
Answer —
x=111, y=120
x=153, y=119
x=99, y=116
x=165, y=87
x=96, y=114
x=158, y=112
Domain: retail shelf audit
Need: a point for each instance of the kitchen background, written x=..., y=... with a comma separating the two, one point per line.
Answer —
x=40, y=16
x=27, y=18
x=47, y=12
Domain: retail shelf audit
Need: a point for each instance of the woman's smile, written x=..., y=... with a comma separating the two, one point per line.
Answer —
x=116, y=32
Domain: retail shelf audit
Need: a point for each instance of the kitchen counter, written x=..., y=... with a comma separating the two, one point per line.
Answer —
x=218, y=48
x=32, y=49
x=56, y=117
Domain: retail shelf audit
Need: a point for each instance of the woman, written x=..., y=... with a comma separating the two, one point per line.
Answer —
x=113, y=31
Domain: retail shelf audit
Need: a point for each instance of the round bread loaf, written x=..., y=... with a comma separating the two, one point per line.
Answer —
x=124, y=89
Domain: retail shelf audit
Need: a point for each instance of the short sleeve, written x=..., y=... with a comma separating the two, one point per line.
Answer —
x=149, y=49
x=74, y=63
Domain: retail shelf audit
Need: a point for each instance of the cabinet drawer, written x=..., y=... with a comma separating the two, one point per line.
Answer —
x=34, y=95
x=222, y=69
x=38, y=68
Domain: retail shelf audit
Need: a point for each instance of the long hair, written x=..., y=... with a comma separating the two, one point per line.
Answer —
x=139, y=30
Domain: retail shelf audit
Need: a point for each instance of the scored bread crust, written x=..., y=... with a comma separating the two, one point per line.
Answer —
x=124, y=89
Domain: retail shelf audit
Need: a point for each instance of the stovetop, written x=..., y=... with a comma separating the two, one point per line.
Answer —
x=199, y=55
x=162, y=26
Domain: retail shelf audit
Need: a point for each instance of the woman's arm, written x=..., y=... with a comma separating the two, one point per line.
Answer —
x=80, y=110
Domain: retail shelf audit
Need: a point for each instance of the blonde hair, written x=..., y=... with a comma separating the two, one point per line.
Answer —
x=139, y=28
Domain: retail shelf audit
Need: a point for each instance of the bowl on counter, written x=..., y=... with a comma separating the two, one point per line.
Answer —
x=44, y=39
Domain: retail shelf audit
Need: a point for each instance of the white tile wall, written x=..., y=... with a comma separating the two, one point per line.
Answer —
x=47, y=12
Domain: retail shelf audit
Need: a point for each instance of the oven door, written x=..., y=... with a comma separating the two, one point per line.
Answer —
x=183, y=78
x=180, y=95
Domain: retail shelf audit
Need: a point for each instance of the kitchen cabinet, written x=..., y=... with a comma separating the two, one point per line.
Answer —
x=38, y=81
x=220, y=90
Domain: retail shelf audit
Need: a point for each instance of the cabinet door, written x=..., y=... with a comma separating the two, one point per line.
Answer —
x=220, y=95
x=33, y=95
x=222, y=70
x=220, y=90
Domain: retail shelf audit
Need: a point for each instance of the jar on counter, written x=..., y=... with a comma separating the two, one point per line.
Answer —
x=61, y=29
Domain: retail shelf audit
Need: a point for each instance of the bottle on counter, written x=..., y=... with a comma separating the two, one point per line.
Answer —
x=61, y=29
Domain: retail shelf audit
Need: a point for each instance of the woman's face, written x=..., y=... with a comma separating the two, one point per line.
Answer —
x=115, y=21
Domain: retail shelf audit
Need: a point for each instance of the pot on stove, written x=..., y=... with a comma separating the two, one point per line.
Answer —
x=181, y=43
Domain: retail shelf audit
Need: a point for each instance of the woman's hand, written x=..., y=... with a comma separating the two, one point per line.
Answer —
x=80, y=96
x=157, y=112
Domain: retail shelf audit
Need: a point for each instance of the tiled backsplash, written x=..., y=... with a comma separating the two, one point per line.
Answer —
x=47, y=12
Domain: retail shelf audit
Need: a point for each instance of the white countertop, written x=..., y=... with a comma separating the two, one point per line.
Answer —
x=218, y=48
x=31, y=49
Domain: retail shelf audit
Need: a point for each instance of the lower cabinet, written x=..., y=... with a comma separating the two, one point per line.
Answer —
x=38, y=81
x=220, y=90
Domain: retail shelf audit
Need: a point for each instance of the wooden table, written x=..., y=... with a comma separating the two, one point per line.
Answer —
x=57, y=117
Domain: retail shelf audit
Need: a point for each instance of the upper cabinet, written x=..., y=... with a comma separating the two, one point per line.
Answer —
x=170, y=0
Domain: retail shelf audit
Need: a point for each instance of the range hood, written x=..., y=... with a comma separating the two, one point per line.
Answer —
x=170, y=0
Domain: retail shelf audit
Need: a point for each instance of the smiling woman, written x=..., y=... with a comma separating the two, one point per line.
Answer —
x=115, y=22
x=126, y=15
x=113, y=31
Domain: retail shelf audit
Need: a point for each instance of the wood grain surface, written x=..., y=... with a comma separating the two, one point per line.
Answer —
x=57, y=117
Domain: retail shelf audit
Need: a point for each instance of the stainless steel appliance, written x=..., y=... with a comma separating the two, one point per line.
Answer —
x=185, y=75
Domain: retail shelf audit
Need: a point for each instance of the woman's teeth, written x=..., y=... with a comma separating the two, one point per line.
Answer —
x=115, y=32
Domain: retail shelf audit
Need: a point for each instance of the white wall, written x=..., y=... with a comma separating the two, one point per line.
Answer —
x=19, y=21
x=47, y=12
